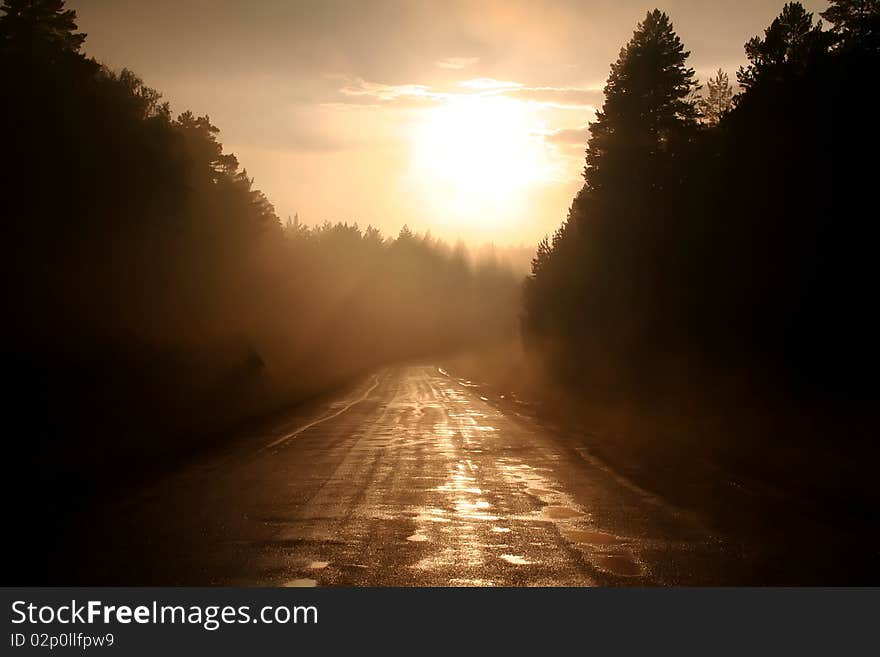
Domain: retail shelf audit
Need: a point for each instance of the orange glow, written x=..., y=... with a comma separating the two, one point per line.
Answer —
x=475, y=158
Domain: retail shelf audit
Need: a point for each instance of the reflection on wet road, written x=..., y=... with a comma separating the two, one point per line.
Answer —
x=411, y=479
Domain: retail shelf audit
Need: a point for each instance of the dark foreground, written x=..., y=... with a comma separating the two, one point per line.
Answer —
x=412, y=478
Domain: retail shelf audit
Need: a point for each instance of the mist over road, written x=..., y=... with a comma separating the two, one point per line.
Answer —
x=409, y=478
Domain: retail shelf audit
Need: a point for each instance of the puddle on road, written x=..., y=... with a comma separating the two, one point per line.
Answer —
x=589, y=537
x=571, y=521
x=466, y=509
x=539, y=492
x=431, y=514
x=619, y=564
x=515, y=559
x=318, y=565
x=300, y=583
x=560, y=512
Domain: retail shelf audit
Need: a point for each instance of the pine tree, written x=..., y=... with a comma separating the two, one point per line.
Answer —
x=542, y=256
x=648, y=101
x=788, y=43
x=718, y=100
x=39, y=26
x=855, y=21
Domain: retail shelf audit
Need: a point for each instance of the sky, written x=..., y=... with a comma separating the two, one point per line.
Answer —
x=465, y=118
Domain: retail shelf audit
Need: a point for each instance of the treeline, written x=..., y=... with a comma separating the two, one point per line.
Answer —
x=155, y=295
x=724, y=237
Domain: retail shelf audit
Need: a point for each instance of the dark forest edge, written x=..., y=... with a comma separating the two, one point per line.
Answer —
x=710, y=292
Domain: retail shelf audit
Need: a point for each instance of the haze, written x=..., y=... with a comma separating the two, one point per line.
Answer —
x=463, y=118
x=350, y=294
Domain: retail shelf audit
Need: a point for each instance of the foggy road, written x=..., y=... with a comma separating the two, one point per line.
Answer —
x=410, y=478
x=657, y=272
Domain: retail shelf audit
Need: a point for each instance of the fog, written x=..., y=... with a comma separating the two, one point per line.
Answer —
x=705, y=305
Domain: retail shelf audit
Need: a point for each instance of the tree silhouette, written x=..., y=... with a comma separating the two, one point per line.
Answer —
x=746, y=247
x=591, y=284
x=788, y=43
x=855, y=21
x=647, y=102
x=39, y=26
x=718, y=100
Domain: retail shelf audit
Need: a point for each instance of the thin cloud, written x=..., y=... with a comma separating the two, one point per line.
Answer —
x=357, y=91
x=568, y=136
x=457, y=63
x=586, y=98
x=490, y=84
x=385, y=92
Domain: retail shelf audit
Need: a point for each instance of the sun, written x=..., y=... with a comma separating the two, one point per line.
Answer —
x=475, y=156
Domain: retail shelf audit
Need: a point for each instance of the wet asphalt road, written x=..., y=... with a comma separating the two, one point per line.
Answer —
x=410, y=478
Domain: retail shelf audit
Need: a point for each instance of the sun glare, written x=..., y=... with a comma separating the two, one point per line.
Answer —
x=475, y=157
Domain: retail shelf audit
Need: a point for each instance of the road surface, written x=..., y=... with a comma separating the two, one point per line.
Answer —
x=411, y=478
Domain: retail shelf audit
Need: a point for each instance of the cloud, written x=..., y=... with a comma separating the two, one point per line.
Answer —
x=297, y=86
x=490, y=84
x=586, y=98
x=568, y=136
x=359, y=91
x=568, y=142
x=360, y=87
x=457, y=63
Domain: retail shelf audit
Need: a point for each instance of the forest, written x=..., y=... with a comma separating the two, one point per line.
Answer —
x=719, y=259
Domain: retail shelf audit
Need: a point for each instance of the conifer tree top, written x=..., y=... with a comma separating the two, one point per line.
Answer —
x=40, y=23
x=648, y=95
